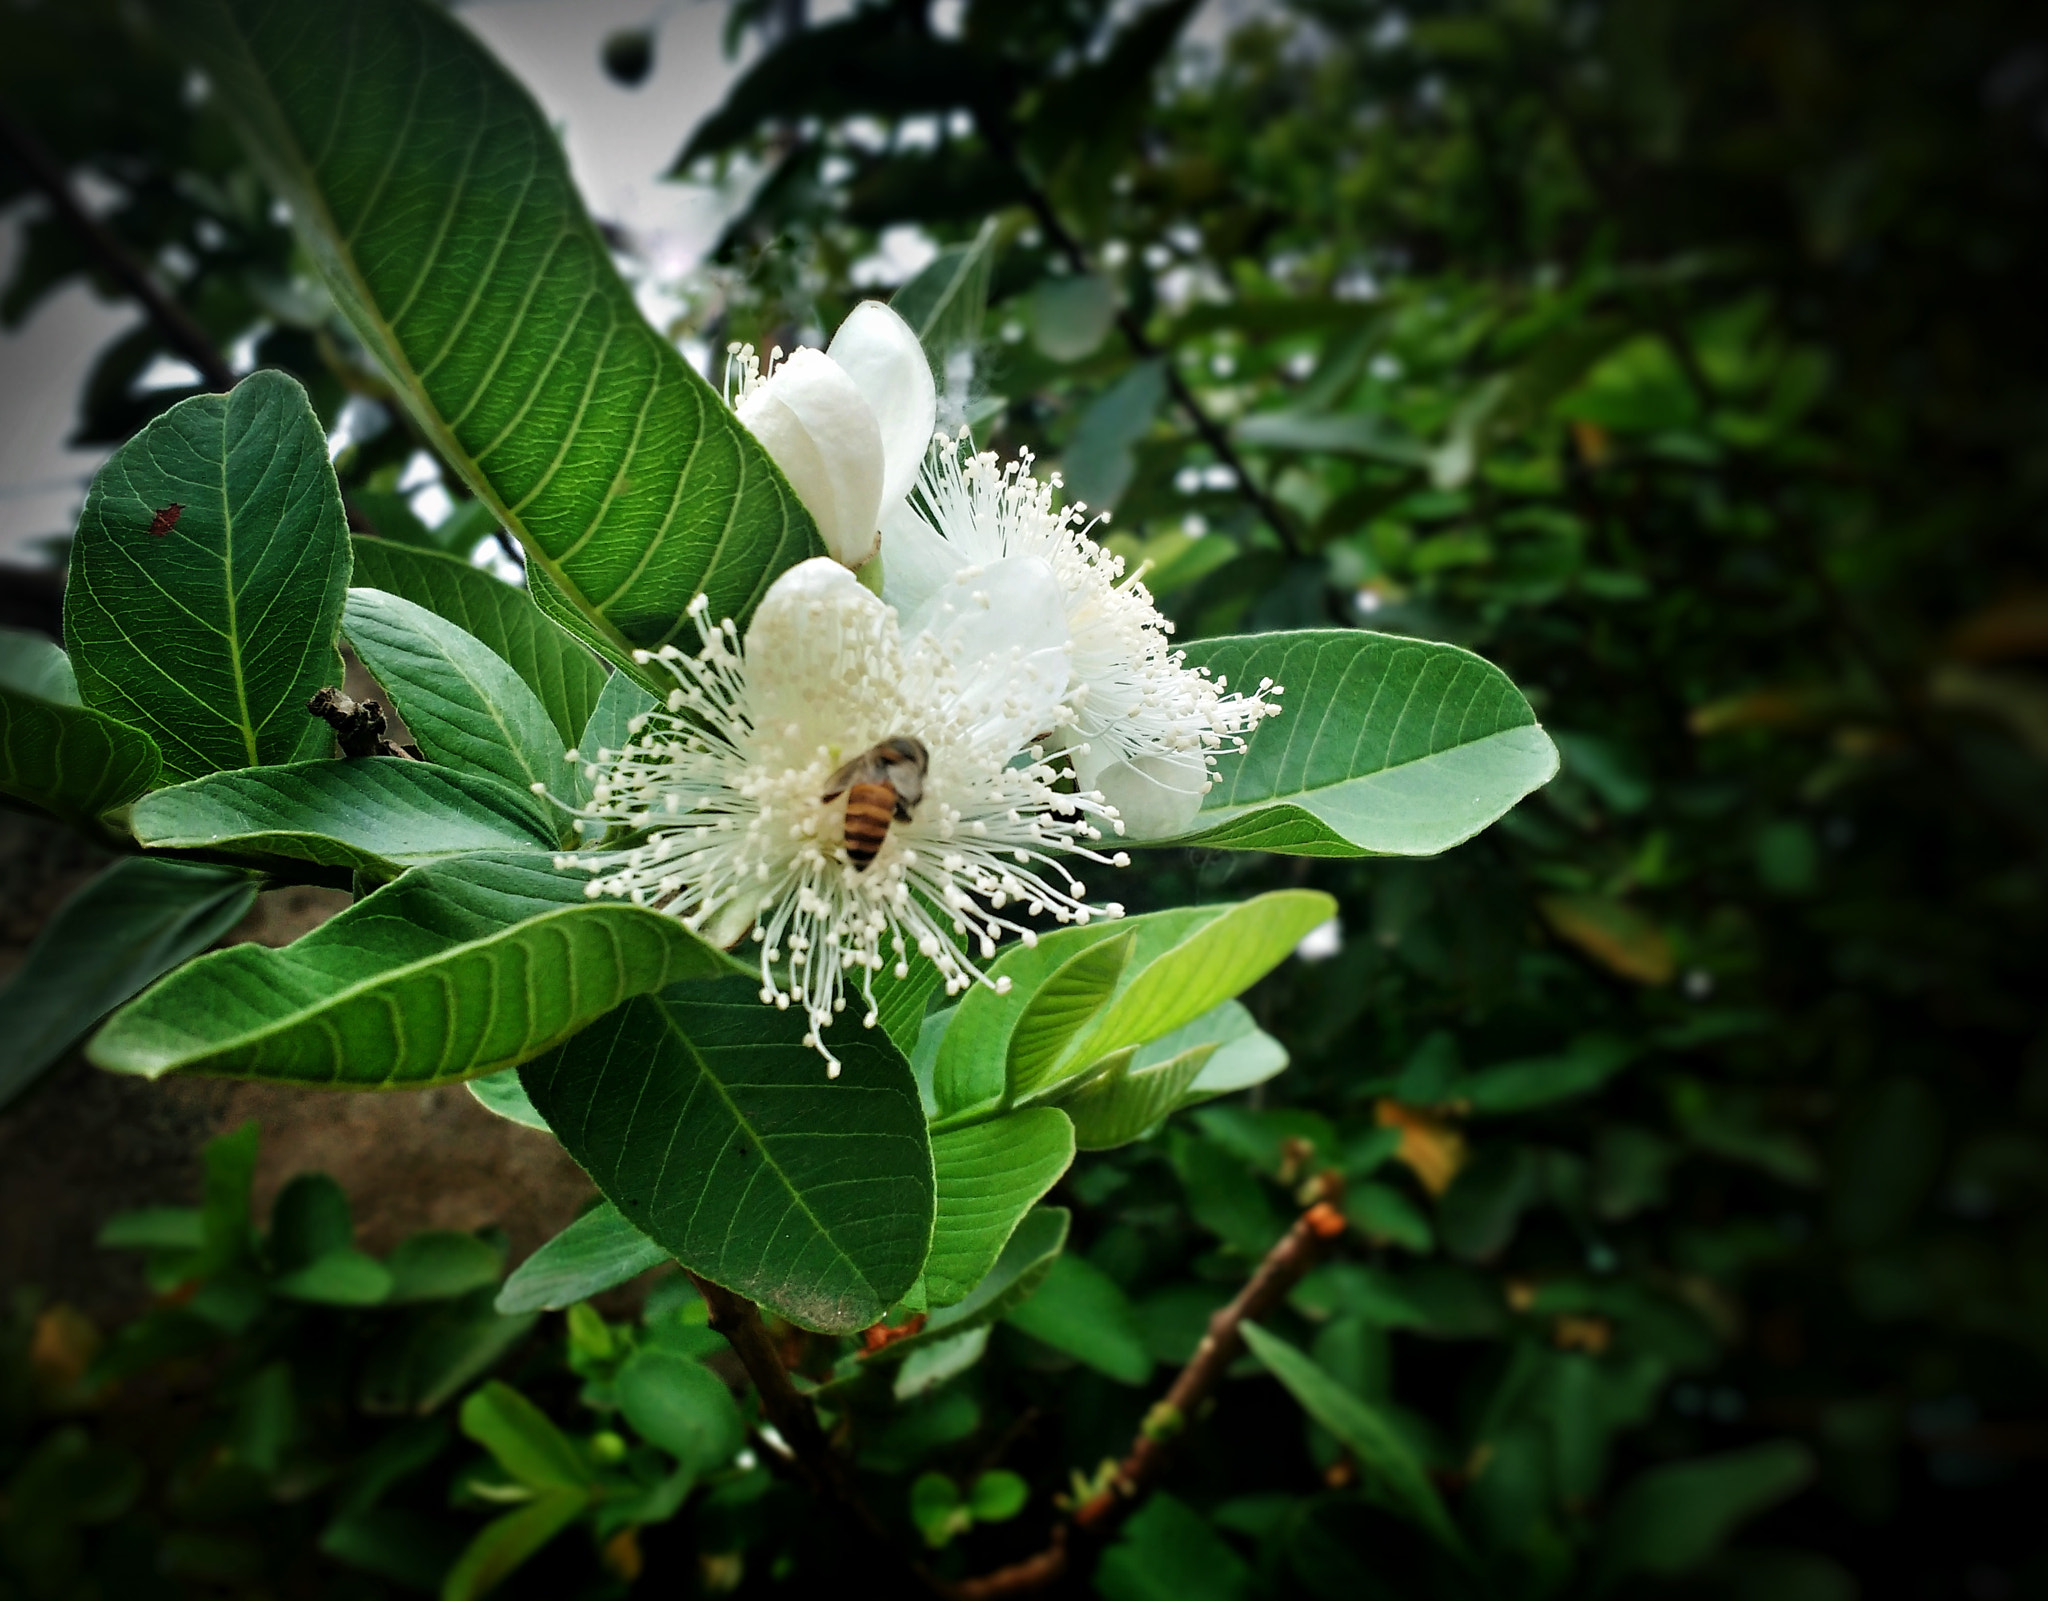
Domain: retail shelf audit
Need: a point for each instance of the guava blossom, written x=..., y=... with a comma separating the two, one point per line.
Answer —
x=727, y=781
x=847, y=425
x=1145, y=729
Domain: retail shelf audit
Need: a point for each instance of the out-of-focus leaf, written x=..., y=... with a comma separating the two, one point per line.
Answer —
x=1614, y=934
x=505, y=1543
x=1167, y=1552
x=1099, y=460
x=1582, y=1067
x=597, y=1252
x=135, y=922
x=1078, y=1309
x=946, y=302
x=681, y=1406
x=1070, y=317
x=1672, y=1518
x=1379, y=1449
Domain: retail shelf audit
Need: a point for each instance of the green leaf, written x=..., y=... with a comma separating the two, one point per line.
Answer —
x=1381, y=1452
x=681, y=1406
x=946, y=303
x=435, y=198
x=501, y=1092
x=1100, y=458
x=1189, y=961
x=997, y=1496
x=608, y=728
x=714, y=1129
x=522, y=1439
x=504, y=1544
x=1115, y=1106
x=454, y=970
x=1245, y=1054
x=1059, y=1008
x=1385, y=1216
x=38, y=667
x=440, y=1264
x=597, y=1252
x=309, y=1219
x=1168, y=1552
x=1387, y=747
x=465, y=705
x=989, y=1176
x=211, y=637
x=124, y=930
x=1080, y=1310
x=379, y=815
x=1019, y=1271
x=70, y=762
x=566, y=677
x=1579, y=1069
x=1674, y=1517
x=1340, y=433
x=342, y=1278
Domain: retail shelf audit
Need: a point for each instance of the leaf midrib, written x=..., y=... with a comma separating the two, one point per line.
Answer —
x=314, y=1016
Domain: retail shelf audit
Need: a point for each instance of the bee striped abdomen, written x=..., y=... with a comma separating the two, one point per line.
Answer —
x=869, y=809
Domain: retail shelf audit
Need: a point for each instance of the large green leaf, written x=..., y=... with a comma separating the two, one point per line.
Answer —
x=989, y=1177
x=133, y=923
x=597, y=1252
x=70, y=762
x=211, y=635
x=1386, y=747
x=714, y=1129
x=381, y=814
x=1381, y=1451
x=456, y=969
x=566, y=677
x=465, y=705
x=435, y=198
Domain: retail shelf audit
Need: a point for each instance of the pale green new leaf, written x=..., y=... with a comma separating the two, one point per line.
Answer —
x=1380, y=1451
x=466, y=707
x=70, y=762
x=1060, y=1008
x=1386, y=747
x=713, y=1128
x=566, y=677
x=1119, y=1103
x=456, y=969
x=597, y=1252
x=1245, y=1054
x=989, y=1177
x=436, y=200
x=379, y=815
x=33, y=665
x=125, y=929
x=211, y=636
x=1026, y=1260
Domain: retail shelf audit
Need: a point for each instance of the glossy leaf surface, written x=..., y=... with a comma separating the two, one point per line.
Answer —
x=452, y=971
x=989, y=1176
x=713, y=1128
x=436, y=199
x=1387, y=746
x=70, y=762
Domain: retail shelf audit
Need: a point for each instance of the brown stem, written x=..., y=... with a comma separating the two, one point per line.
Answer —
x=822, y=1469
x=1277, y=1274
x=173, y=321
x=997, y=133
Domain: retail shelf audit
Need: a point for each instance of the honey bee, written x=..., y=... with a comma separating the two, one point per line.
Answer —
x=880, y=785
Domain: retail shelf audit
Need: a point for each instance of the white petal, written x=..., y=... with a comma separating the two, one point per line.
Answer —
x=881, y=355
x=917, y=560
x=823, y=435
x=815, y=619
x=1004, y=625
x=1157, y=796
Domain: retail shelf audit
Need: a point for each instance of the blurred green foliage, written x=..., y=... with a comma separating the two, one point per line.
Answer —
x=1686, y=360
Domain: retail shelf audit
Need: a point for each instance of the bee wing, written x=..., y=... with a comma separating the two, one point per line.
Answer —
x=846, y=777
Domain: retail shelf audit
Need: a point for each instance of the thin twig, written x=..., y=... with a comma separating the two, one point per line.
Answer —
x=997, y=133
x=795, y=1420
x=1221, y=1345
x=173, y=321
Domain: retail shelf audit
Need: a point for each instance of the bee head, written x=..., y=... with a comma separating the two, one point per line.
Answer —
x=902, y=750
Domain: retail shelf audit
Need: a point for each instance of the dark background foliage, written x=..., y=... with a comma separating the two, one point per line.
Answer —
x=1685, y=359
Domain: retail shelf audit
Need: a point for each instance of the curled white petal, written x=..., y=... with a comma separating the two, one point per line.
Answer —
x=879, y=351
x=813, y=420
x=1155, y=796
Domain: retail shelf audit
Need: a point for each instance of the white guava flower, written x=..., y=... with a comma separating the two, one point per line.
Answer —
x=1146, y=729
x=847, y=425
x=726, y=786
